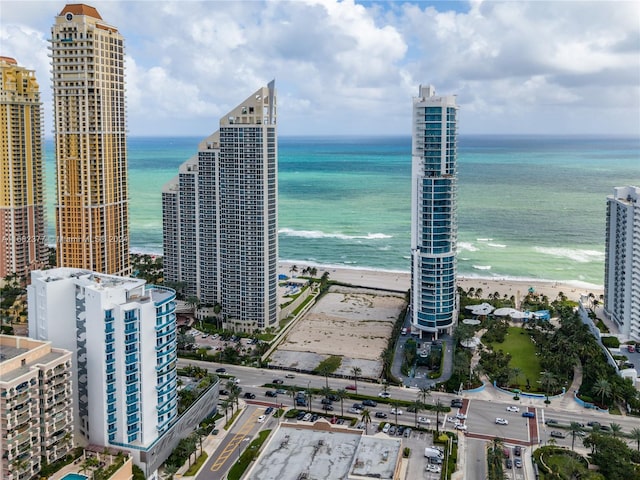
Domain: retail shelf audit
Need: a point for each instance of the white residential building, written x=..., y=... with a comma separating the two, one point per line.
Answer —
x=123, y=335
x=220, y=217
x=434, y=229
x=622, y=261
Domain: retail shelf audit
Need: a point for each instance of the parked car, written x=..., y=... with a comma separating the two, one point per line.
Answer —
x=386, y=428
x=369, y=403
x=307, y=418
x=301, y=415
x=461, y=416
x=380, y=415
x=392, y=430
x=528, y=414
x=461, y=426
x=509, y=463
x=433, y=468
x=407, y=432
x=517, y=451
x=518, y=463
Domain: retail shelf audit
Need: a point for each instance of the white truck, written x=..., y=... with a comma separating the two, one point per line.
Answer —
x=431, y=452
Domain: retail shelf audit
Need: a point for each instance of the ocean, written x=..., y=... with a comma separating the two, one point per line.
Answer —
x=529, y=207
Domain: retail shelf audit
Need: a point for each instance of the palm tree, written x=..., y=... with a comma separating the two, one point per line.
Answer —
x=635, y=435
x=342, y=394
x=417, y=406
x=293, y=268
x=325, y=370
x=438, y=407
x=309, y=399
x=602, y=387
x=575, y=428
x=495, y=456
x=325, y=392
x=424, y=393
x=225, y=404
x=616, y=428
x=356, y=371
x=549, y=382
x=292, y=394
x=366, y=418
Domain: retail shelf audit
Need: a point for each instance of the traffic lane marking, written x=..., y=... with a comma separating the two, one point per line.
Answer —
x=230, y=448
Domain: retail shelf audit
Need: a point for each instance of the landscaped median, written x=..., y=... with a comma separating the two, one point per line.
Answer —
x=250, y=453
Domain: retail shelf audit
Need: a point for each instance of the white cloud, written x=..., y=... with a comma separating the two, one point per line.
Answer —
x=342, y=67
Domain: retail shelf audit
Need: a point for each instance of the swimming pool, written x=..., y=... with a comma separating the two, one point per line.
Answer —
x=74, y=476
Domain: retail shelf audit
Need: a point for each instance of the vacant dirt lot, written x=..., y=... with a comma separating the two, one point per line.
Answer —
x=350, y=322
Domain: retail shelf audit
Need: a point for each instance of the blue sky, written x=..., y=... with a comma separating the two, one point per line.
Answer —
x=552, y=67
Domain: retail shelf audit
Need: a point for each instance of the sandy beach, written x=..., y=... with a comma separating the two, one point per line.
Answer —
x=400, y=281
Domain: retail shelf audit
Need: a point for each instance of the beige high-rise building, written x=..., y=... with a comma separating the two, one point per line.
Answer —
x=92, y=222
x=23, y=245
x=36, y=409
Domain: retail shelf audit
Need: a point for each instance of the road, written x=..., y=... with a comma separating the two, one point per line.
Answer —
x=480, y=422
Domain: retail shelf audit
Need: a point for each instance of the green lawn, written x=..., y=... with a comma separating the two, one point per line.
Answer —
x=523, y=356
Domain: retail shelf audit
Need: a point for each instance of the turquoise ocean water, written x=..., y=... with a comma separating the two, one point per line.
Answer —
x=528, y=206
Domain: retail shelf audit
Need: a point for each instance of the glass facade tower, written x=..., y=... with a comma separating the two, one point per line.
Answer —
x=433, y=212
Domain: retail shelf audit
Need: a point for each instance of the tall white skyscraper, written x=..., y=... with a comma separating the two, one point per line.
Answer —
x=123, y=337
x=434, y=229
x=220, y=217
x=622, y=261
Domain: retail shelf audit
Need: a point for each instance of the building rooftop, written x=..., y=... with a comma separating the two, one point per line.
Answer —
x=325, y=452
x=12, y=347
x=81, y=9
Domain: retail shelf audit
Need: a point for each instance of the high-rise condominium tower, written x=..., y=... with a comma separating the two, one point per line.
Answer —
x=122, y=333
x=22, y=219
x=434, y=228
x=622, y=261
x=35, y=400
x=92, y=224
x=220, y=217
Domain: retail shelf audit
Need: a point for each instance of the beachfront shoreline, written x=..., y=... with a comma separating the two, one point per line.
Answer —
x=401, y=281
